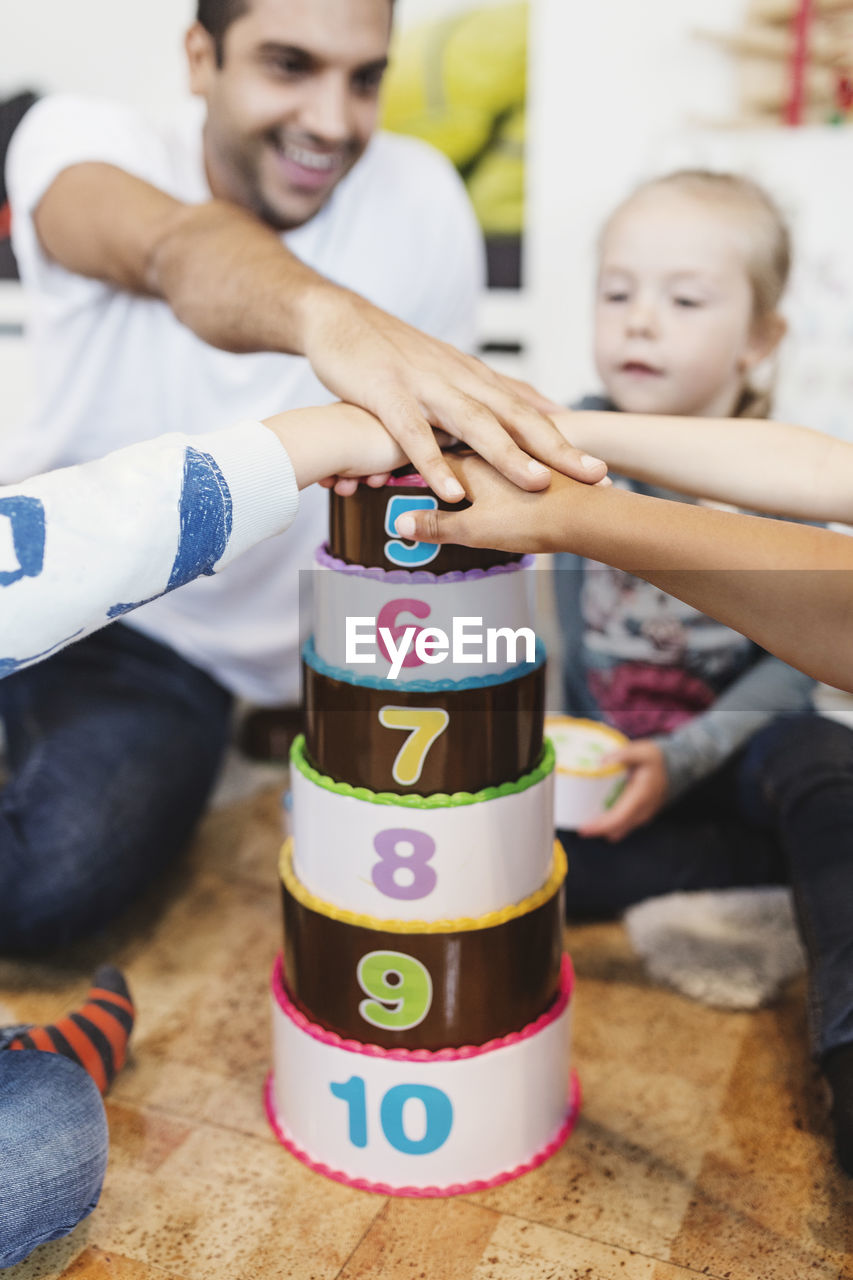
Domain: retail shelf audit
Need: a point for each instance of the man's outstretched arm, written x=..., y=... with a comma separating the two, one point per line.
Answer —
x=229, y=278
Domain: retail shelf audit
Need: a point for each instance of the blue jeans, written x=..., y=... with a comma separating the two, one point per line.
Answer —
x=114, y=744
x=53, y=1149
x=779, y=812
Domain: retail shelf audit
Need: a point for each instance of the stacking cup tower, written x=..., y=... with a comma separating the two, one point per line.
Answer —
x=421, y=1007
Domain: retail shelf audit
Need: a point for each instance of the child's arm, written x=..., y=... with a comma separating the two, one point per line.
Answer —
x=664, y=767
x=767, y=466
x=87, y=544
x=335, y=439
x=789, y=587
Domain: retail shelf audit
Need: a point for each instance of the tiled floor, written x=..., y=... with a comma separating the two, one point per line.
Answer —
x=702, y=1148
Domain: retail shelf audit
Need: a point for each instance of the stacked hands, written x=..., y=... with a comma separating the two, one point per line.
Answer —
x=503, y=420
x=503, y=492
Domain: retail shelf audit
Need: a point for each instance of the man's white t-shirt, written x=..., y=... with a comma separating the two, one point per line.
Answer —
x=113, y=369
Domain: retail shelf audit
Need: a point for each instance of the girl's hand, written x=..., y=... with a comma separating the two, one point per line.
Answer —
x=502, y=516
x=644, y=794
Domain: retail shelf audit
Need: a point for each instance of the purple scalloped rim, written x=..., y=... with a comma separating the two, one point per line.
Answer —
x=428, y=1193
x=411, y=577
x=462, y=1054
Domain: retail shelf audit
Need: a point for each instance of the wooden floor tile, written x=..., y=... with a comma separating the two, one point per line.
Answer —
x=524, y=1251
x=768, y=1189
x=96, y=1264
x=224, y=1205
x=410, y=1236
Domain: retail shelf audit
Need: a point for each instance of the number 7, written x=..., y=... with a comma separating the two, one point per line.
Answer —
x=426, y=724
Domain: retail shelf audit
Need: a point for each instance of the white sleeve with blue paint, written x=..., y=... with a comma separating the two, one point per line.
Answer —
x=84, y=545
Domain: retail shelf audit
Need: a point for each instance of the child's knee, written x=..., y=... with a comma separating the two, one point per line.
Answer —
x=54, y=1151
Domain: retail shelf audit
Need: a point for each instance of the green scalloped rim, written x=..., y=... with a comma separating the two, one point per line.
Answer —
x=439, y=799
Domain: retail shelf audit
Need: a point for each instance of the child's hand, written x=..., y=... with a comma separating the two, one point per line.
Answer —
x=346, y=486
x=644, y=794
x=346, y=483
x=336, y=441
x=502, y=516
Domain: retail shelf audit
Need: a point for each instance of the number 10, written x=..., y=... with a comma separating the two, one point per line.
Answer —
x=438, y=1111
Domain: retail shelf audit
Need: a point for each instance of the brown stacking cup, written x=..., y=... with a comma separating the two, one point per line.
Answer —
x=361, y=532
x=406, y=985
x=421, y=737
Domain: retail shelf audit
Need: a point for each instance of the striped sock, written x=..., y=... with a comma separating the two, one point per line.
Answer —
x=94, y=1035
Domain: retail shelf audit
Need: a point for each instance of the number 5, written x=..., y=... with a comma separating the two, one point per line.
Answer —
x=425, y=725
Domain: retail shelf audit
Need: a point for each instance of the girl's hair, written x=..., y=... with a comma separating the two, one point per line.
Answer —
x=769, y=255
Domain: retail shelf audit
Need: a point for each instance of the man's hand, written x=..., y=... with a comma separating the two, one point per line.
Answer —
x=644, y=795
x=413, y=383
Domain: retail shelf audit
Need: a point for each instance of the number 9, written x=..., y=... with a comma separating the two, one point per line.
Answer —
x=395, y=1005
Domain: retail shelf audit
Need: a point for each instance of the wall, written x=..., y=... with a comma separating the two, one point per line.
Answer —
x=116, y=49
x=110, y=48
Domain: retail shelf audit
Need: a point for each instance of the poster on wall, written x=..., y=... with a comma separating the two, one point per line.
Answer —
x=458, y=79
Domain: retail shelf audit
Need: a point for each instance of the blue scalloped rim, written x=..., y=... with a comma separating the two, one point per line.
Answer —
x=313, y=660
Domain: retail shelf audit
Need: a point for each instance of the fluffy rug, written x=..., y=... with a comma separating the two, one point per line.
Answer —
x=730, y=948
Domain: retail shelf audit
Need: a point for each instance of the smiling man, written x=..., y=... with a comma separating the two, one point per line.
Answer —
x=177, y=272
x=288, y=113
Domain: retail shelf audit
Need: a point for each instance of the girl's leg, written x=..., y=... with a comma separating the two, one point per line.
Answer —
x=700, y=842
x=797, y=778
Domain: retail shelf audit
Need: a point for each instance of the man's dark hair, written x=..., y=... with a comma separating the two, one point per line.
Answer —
x=216, y=17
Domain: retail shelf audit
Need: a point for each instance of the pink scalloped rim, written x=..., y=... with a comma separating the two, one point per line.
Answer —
x=462, y=1054
x=414, y=481
x=412, y=577
x=428, y=1193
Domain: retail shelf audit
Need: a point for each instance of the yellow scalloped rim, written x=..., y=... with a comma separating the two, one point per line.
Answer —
x=607, y=771
x=466, y=924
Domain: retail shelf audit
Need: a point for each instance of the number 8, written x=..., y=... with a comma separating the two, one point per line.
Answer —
x=391, y=862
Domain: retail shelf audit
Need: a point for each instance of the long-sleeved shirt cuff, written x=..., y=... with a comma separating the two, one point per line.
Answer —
x=687, y=762
x=261, y=481
x=694, y=751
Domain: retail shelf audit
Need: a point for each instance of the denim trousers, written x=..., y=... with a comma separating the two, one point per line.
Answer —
x=779, y=812
x=53, y=1149
x=113, y=747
